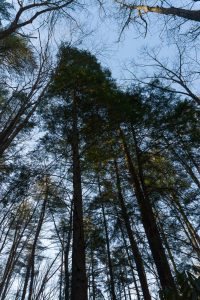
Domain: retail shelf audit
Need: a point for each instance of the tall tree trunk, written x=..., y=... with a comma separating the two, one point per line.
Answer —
x=133, y=243
x=149, y=222
x=79, y=280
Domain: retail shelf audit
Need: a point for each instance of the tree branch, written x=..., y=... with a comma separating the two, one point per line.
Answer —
x=193, y=15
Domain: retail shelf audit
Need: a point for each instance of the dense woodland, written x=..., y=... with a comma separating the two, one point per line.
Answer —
x=99, y=181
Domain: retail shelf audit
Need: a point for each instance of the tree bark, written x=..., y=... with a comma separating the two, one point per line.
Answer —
x=193, y=15
x=79, y=280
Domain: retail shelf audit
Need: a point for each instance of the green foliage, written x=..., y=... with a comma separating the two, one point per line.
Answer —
x=16, y=53
x=79, y=72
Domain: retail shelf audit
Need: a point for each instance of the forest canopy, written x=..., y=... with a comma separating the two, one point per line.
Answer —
x=100, y=179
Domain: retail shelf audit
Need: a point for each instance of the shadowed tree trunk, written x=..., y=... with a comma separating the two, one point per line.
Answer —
x=133, y=243
x=149, y=222
x=79, y=280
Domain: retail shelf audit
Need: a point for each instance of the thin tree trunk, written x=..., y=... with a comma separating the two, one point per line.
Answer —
x=129, y=293
x=93, y=277
x=184, y=163
x=124, y=289
x=195, y=237
x=66, y=258
x=192, y=236
x=61, y=274
x=13, y=257
x=165, y=241
x=129, y=260
x=112, y=285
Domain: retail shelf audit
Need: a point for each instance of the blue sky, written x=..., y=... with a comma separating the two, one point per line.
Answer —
x=99, y=34
x=102, y=40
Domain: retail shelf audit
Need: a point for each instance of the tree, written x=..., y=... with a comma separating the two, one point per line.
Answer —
x=79, y=82
x=16, y=53
x=18, y=104
x=188, y=14
x=137, y=12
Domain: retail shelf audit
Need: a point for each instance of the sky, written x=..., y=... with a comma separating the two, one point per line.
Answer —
x=99, y=32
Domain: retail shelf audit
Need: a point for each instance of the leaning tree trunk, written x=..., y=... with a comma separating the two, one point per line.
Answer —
x=134, y=247
x=149, y=222
x=79, y=280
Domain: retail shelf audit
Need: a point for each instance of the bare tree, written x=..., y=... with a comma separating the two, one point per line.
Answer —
x=139, y=11
x=23, y=99
x=27, y=12
x=179, y=75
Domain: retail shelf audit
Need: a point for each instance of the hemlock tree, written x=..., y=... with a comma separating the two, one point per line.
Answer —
x=78, y=84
